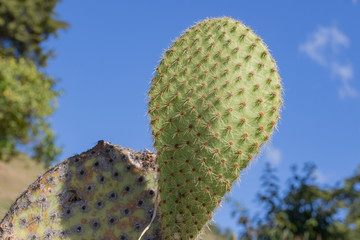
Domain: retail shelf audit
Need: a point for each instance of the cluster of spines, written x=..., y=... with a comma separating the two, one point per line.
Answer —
x=214, y=101
x=100, y=194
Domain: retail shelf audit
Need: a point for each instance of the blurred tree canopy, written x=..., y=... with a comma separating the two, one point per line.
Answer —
x=305, y=211
x=25, y=24
x=26, y=99
x=27, y=95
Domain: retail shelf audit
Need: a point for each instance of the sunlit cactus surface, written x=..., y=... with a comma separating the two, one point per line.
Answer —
x=107, y=192
x=214, y=101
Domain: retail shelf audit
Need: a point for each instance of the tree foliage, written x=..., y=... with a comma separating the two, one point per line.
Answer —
x=25, y=25
x=27, y=95
x=27, y=98
x=305, y=211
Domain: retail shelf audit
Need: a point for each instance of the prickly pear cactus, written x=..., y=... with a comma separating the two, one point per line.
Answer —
x=108, y=192
x=214, y=101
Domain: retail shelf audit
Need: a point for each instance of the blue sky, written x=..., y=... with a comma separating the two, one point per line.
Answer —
x=106, y=59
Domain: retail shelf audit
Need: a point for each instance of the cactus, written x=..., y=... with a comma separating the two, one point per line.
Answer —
x=214, y=101
x=108, y=192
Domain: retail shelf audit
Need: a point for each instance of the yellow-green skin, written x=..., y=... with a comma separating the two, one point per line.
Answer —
x=64, y=202
x=214, y=101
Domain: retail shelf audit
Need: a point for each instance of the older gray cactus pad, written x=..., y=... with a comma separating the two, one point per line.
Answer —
x=107, y=192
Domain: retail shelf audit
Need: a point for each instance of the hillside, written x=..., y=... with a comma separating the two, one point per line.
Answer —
x=14, y=179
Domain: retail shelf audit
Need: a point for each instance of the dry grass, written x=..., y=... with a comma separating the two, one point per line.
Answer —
x=213, y=236
x=15, y=177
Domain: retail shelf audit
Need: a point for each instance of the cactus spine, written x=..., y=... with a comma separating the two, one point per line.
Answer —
x=214, y=101
x=107, y=192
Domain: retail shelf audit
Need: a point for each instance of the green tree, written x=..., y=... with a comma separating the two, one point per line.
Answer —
x=305, y=211
x=348, y=198
x=27, y=98
x=27, y=95
x=25, y=25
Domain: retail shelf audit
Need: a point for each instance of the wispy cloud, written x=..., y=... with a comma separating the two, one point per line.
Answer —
x=324, y=46
x=320, y=42
x=354, y=2
x=345, y=73
x=320, y=176
x=273, y=155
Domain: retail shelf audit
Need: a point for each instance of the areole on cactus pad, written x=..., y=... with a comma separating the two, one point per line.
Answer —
x=214, y=101
x=107, y=192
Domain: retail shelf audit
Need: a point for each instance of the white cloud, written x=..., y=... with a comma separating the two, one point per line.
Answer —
x=346, y=74
x=324, y=47
x=342, y=71
x=320, y=42
x=347, y=91
x=273, y=155
x=320, y=176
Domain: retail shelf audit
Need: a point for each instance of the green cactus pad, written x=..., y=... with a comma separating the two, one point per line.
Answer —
x=214, y=101
x=108, y=192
